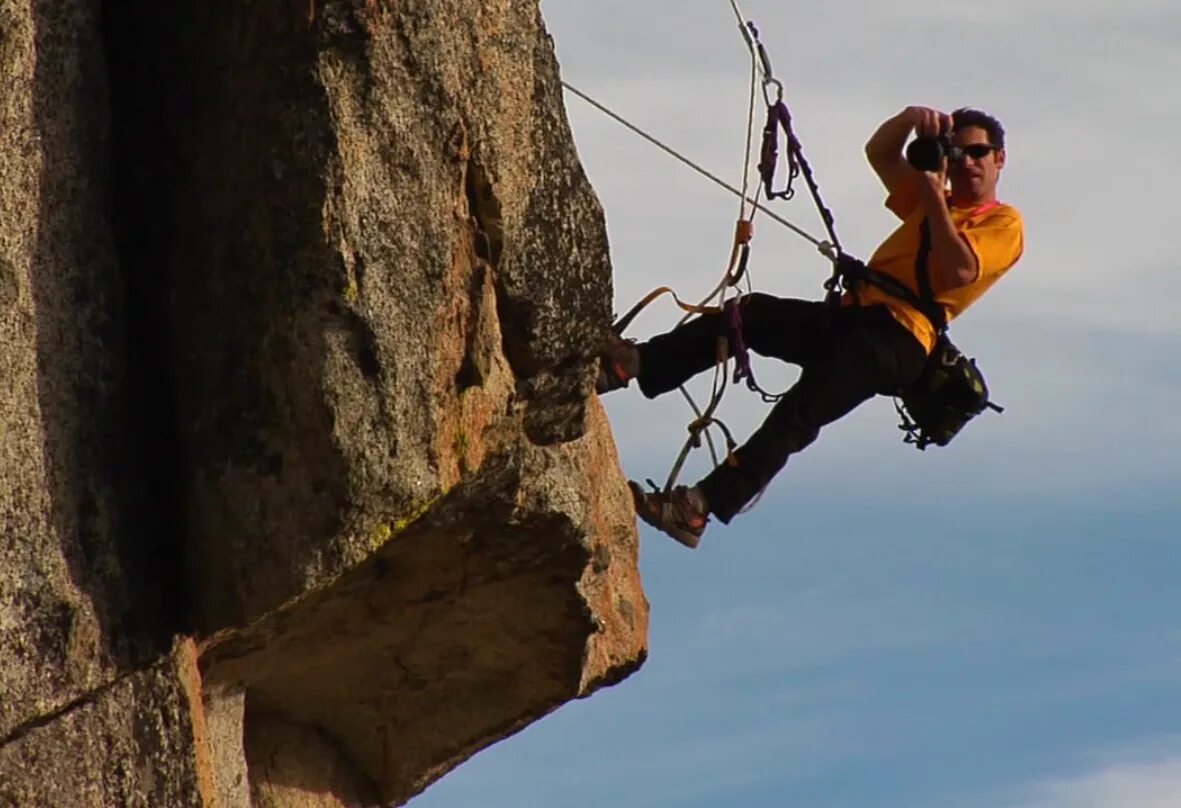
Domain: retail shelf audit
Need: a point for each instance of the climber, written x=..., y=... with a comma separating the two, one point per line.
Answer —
x=871, y=343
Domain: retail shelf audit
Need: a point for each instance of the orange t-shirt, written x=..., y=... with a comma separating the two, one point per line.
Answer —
x=994, y=232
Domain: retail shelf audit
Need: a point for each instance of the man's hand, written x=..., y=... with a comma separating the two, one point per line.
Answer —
x=928, y=122
x=884, y=151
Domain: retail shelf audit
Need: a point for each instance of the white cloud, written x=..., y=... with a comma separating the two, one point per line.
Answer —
x=1154, y=784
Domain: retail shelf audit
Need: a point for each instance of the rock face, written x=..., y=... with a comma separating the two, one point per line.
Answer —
x=82, y=553
x=141, y=740
x=298, y=306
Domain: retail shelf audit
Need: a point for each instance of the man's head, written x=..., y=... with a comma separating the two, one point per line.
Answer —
x=982, y=138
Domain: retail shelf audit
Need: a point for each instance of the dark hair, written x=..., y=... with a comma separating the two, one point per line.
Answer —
x=966, y=116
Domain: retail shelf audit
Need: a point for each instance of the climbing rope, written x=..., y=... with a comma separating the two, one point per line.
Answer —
x=759, y=62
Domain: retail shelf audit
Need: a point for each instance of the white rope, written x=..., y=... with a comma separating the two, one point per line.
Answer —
x=713, y=178
x=750, y=125
x=738, y=13
x=750, y=118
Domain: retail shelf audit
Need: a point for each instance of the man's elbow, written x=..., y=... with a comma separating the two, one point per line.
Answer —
x=968, y=276
x=964, y=275
x=958, y=275
x=879, y=156
x=967, y=265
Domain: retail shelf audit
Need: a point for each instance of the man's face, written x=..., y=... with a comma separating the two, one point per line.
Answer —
x=975, y=177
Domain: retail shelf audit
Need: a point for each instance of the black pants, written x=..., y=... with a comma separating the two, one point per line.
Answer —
x=848, y=355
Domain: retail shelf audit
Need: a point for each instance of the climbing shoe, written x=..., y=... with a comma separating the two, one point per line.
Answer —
x=681, y=513
x=619, y=363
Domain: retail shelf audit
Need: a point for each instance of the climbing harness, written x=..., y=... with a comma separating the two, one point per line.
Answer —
x=951, y=389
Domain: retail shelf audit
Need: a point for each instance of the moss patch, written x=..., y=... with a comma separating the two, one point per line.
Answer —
x=384, y=531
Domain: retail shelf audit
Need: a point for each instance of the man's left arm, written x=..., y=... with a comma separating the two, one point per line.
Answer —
x=952, y=260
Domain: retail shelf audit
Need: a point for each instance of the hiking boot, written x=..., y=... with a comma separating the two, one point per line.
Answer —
x=681, y=513
x=619, y=363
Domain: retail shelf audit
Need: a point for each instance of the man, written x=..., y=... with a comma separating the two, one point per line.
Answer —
x=873, y=343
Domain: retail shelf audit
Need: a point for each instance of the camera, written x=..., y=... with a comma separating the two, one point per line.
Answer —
x=926, y=153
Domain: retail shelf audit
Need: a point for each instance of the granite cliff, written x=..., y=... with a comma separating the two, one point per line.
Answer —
x=304, y=494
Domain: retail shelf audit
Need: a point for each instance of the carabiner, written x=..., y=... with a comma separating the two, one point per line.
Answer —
x=778, y=85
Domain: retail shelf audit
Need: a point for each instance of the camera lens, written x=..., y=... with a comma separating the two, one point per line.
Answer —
x=925, y=153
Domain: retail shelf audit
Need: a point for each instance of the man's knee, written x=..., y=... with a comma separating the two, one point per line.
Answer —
x=758, y=307
x=783, y=327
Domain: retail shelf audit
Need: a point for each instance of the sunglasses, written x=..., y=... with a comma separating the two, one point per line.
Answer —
x=977, y=151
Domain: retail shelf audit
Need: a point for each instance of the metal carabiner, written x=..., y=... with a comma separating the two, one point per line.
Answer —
x=778, y=85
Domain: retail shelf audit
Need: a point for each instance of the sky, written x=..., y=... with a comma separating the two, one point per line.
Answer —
x=994, y=624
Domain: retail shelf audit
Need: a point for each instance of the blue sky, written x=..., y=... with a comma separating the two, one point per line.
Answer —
x=991, y=625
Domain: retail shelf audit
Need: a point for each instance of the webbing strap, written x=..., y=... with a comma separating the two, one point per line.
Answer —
x=623, y=322
x=930, y=307
x=779, y=117
x=735, y=270
x=850, y=271
x=741, y=354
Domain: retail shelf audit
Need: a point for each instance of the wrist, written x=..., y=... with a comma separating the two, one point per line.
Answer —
x=933, y=190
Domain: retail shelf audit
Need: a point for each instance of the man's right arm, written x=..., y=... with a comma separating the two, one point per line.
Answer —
x=884, y=151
